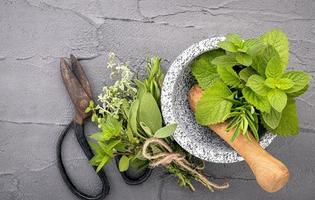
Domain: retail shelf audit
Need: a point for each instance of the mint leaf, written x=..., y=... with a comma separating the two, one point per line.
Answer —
x=244, y=59
x=289, y=123
x=227, y=46
x=277, y=99
x=279, y=41
x=257, y=84
x=226, y=60
x=202, y=69
x=149, y=112
x=254, y=46
x=212, y=107
x=261, y=59
x=300, y=79
x=235, y=39
x=229, y=76
x=274, y=68
x=298, y=93
x=260, y=102
x=123, y=163
x=272, y=119
x=280, y=83
x=165, y=131
x=246, y=73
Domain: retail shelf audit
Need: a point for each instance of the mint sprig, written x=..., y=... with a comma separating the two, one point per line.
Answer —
x=248, y=73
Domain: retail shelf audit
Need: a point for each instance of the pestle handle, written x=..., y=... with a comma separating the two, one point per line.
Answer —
x=271, y=174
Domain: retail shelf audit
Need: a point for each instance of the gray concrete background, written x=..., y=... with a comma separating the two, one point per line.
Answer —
x=34, y=106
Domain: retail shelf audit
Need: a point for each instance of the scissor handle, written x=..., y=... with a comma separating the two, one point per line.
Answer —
x=134, y=180
x=79, y=131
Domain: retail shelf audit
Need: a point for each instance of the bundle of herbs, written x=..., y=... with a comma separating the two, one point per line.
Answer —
x=131, y=126
x=245, y=83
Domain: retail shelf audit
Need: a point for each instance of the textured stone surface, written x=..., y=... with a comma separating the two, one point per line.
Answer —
x=34, y=106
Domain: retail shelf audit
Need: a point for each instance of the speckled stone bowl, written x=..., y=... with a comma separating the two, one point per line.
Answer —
x=196, y=139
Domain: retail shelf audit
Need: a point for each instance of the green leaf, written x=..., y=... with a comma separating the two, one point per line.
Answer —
x=280, y=83
x=203, y=70
x=260, y=102
x=246, y=73
x=123, y=163
x=274, y=68
x=146, y=129
x=244, y=59
x=99, y=136
x=212, y=107
x=279, y=41
x=277, y=99
x=298, y=93
x=257, y=84
x=300, y=79
x=254, y=46
x=235, y=39
x=289, y=123
x=228, y=46
x=149, y=112
x=272, y=119
x=133, y=112
x=103, y=162
x=165, y=131
x=261, y=59
x=111, y=127
x=229, y=76
x=225, y=60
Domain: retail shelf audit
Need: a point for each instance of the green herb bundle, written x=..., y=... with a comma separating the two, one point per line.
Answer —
x=246, y=83
x=131, y=126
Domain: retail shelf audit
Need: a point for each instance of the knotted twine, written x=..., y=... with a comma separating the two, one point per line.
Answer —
x=166, y=158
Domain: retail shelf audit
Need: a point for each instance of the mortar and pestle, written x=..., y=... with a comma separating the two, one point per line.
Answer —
x=179, y=98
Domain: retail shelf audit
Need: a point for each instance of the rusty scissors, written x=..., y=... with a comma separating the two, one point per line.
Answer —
x=80, y=93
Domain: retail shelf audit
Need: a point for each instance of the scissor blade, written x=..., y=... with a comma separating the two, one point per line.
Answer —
x=80, y=74
x=77, y=94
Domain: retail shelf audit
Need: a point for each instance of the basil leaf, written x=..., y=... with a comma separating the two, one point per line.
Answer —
x=260, y=102
x=212, y=108
x=149, y=112
x=165, y=131
x=229, y=76
x=300, y=79
x=277, y=99
x=123, y=163
x=272, y=119
x=257, y=84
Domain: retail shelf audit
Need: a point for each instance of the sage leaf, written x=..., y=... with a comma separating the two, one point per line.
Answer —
x=149, y=112
x=133, y=112
x=123, y=163
x=165, y=131
x=146, y=129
